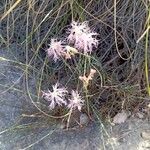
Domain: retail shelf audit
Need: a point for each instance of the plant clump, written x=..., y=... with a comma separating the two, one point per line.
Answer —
x=80, y=40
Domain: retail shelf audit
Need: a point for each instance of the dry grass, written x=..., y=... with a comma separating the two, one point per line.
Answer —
x=121, y=60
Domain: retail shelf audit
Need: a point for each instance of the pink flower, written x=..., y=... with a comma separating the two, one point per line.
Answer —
x=76, y=101
x=86, y=42
x=56, y=96
x=56, y=49
x=82, y=37
x=76, y=30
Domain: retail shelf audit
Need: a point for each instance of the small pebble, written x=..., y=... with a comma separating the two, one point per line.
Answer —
x=61, y=125
x=120, y=117
x=140, y=115
x=84, y=119
x=146, y=135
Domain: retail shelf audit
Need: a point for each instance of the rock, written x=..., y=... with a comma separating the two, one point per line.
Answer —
x=61, y=125
x=146, y=135
x=18, y=132
x=120, y=118
x=84, y=119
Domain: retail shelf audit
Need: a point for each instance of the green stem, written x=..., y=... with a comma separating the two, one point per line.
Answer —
x=146, y=57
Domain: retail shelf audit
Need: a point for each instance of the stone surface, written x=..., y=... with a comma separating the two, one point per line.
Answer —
x=38, y=133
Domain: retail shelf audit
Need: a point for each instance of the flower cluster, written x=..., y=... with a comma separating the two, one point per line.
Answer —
x=80, y=39
x=58, y=97
x=80, y=36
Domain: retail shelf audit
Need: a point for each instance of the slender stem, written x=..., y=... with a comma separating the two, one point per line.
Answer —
x=146, y=58
x=68, y=120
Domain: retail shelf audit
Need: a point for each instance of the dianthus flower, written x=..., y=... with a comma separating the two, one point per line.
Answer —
x=56, y=96
x=82, y=37
x=56, y=49
x=76, y=101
